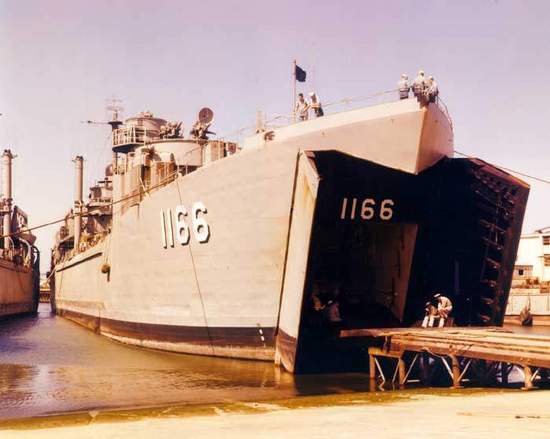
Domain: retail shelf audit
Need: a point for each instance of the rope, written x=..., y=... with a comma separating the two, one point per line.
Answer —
x=197, y=281
x=290, y=116
x=523, y=174
x=167, y=180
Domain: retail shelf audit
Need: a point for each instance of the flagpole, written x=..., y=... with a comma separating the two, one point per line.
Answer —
x=294, y=91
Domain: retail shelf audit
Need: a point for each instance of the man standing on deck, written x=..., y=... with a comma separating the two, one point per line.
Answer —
x=302, y=107
x=404, y=87
x=444, y=308
x=433, y=89
x=419, y=84
x=316, y=105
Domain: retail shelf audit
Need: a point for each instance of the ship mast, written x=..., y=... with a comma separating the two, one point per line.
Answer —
x=7, y=158
x=114, y=109
x=78, y=194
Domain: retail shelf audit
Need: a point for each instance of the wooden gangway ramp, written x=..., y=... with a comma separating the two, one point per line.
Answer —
x=485, y=355
x=44, y=295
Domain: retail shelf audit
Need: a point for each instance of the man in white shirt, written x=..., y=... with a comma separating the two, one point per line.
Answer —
x=316, y=105
x=444, y=308
x=419, y=84
x=302, y=108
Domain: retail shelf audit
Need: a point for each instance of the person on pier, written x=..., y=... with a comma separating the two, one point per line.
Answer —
x=430, y=315
x=444, y=308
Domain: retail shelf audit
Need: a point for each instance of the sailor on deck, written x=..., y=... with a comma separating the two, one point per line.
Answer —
x=444, y=308
x=316, y=105
x=302, y=107
x=404, y=87
x=419, y=84
x=433, y=89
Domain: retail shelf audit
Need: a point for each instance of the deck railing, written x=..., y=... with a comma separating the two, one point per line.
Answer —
x=129, y=135
x=346, y=104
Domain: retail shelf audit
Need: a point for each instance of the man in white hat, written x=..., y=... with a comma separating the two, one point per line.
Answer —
x=315, y=105
x=404, y=87
x=419, y=84
x=444, y=308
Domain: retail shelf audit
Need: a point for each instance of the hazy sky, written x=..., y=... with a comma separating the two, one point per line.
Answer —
x=62, y=59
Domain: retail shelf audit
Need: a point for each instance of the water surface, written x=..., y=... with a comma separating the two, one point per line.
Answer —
x=51, y=365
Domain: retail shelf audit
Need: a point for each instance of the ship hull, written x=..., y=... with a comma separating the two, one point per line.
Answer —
x=231, y=341
x=218, y=298
x=18, y=293
x=279, y=225
x=250, y=296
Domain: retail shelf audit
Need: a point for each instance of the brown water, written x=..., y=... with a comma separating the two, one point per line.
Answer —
x=51, y=365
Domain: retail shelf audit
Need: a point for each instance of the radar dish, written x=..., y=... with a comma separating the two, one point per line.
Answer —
x=206, y=115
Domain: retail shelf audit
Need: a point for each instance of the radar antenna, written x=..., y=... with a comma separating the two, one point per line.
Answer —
x=113, y=110
x=200, y=127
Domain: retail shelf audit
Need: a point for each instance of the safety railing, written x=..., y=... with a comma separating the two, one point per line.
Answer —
x=443, y=107
x=129, y=135
x=346, y=104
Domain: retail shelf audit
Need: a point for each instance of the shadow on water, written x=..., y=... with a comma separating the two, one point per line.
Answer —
x=51, y=365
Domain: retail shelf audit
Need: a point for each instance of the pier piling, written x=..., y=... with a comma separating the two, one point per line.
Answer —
x=486, y=356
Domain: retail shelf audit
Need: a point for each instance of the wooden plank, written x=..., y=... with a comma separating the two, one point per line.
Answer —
x=489, y=344
x=381, y=332
x=533, y=358
x=463, y=341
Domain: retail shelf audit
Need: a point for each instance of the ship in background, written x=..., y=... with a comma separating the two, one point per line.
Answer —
x=207, y=247
x=19, y=258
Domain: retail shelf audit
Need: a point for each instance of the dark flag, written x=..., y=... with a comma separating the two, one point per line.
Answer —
x=300, y=74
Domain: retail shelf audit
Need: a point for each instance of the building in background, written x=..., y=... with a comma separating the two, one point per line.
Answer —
x=531, y=280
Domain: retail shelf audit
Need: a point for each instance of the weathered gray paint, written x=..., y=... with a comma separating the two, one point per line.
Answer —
x=234, y=279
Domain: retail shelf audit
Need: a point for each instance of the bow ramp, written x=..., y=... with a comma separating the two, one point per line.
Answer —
x=368, y=246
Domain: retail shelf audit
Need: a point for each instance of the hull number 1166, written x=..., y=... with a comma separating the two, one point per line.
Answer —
x=176, y=224
x=367, y=209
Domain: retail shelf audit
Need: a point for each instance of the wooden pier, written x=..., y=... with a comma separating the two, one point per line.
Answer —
x=483, y=355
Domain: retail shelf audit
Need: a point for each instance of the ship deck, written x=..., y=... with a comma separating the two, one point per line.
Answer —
x=489, y=353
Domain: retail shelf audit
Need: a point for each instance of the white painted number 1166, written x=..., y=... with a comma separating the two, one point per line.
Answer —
x=367, y=209
x=201, y=230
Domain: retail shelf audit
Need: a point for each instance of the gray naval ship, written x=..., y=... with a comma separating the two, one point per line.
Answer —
x=19, y=258
x=208, y=247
